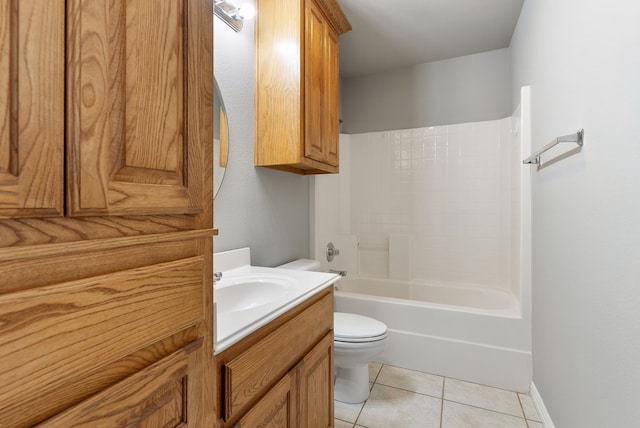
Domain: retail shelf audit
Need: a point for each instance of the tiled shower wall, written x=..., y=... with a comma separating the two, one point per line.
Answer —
x=435, y=203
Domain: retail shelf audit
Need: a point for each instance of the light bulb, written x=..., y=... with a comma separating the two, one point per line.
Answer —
x=247, y=11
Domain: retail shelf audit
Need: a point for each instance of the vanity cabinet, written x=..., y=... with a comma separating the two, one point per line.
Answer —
x=106, y=213
x=297, y=85
x=282, y=375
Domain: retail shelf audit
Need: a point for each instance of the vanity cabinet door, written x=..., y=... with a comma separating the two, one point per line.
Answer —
x=137, y=105
x=276, y=409
x=315, y=386
x=31, y=108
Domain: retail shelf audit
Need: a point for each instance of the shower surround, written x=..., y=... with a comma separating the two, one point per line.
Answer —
x=433, y=228
x=434, y=204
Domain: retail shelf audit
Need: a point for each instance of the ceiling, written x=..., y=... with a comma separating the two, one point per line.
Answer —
x=389, y=34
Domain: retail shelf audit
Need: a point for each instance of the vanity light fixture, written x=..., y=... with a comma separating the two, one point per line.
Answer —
x=233, y=16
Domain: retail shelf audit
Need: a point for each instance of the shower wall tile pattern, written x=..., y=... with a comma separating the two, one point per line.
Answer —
x=449, y=187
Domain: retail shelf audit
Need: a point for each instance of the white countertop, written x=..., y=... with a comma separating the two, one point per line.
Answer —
x=230, y=327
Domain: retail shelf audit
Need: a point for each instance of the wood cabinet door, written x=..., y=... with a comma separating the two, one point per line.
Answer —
x=277, y=409
x=315, y=87
x=31, y=108
x=331, y=124
x=138, y=100
x=165, y=394
x=315, y=386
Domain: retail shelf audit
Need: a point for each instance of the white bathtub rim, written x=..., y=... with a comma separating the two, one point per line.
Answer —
x=435, y=283
x=513, y=312
x=461, y=341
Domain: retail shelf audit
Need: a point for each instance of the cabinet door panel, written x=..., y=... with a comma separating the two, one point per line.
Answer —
x=315, y=386
x=133, y=145
x=31, y=108
x=315, y=82
x=277, y=409
x=331, y=125
x=165, y=394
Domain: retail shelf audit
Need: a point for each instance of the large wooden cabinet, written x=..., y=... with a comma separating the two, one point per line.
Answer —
x=281, y=375
x=106, y=116
x=297, y=85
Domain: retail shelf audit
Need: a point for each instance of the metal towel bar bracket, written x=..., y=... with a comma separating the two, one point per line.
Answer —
x=577, y=138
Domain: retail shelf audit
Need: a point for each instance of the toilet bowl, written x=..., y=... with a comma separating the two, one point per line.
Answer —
x=357, y=341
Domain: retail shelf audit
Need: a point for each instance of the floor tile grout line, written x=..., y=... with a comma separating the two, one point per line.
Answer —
x=480, y=384
x=484, y=408
x=525, y=413
x=378, y=374
x=408, y=390
x=522, y=408
x=444, y=379
x=453, y=378
x=442, y=397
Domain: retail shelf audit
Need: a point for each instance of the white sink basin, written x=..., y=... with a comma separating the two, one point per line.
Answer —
x=247, y=292
x=248, y=297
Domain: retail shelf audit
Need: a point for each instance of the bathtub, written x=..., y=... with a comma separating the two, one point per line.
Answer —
x=464, y=332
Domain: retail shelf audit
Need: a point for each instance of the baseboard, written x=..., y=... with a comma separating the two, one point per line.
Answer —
x=542, y=410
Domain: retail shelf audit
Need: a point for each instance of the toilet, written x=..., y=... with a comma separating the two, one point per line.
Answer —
x=357, y=341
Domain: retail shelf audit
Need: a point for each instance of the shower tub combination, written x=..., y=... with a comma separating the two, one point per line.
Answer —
x=439, y=232
x=456, y=331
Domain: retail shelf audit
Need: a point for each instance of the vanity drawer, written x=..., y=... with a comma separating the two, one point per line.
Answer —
x=249, y=375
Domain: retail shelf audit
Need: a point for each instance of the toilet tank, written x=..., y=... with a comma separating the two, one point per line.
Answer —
x=301, y=264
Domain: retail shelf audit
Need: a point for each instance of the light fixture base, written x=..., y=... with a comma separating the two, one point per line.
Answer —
x=229, y=14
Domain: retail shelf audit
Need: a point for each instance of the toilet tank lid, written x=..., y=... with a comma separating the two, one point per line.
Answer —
x=302, y=264
x=356, y=326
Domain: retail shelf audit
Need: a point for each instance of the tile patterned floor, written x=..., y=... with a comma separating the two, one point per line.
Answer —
x=405, y=398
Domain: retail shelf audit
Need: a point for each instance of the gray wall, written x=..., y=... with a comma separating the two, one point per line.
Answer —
x=466, y=89
x=259, y=208
x=582, y=60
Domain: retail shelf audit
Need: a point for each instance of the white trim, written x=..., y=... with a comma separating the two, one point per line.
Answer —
x=542, y=410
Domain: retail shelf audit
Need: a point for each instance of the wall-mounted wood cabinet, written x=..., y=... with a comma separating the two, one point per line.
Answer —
x=297, y=85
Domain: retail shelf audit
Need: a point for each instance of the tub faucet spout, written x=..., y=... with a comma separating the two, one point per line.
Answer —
x=339, y=272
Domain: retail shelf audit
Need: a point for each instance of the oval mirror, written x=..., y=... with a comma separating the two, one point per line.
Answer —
x=220, y=139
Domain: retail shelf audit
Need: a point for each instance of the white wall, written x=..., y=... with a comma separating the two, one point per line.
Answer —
x=466, y=89
x=582, y=60
x=259, y=208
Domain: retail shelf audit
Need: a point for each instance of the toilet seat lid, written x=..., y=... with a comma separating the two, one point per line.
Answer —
x=355, y=328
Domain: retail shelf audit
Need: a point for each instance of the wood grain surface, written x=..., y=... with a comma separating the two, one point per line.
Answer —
x=31, y=108
x=132, y=76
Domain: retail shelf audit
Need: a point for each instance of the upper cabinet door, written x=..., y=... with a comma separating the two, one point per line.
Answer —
x=315, y=83
x=31, y=108
x=331, y=125
x=138, y=103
